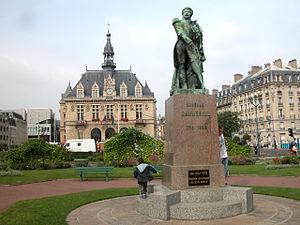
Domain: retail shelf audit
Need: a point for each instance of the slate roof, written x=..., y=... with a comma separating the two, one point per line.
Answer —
x=91, y=76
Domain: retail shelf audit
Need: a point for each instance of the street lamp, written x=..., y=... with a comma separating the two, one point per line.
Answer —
x=256, y=104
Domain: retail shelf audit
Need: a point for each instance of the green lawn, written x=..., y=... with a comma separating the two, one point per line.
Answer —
x=127, y=172
x=54, y=210
x=260, y=170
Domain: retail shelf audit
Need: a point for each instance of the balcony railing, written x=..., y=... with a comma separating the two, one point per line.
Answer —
x=280, y=104
x=291, y=104
x=268, y=105
x=140, y=121
x=80, y=123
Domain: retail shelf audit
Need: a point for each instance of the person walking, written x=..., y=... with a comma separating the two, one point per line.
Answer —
x=223, y=151
x=143, y=175
x=294, y=149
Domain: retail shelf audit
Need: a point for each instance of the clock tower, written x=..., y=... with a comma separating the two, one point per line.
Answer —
x=109, y=89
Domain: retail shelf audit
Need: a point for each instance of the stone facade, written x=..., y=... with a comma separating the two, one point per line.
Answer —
x=275, y=93
x=13, y=129
x=105, y=102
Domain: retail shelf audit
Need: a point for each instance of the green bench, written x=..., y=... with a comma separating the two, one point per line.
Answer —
x=94, y=170
x=157, y=167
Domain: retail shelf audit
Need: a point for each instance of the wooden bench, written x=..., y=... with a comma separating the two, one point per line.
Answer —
x=157, y=167
x=94, y=170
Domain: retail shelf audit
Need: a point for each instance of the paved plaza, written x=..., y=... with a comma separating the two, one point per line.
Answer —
x=268, y=209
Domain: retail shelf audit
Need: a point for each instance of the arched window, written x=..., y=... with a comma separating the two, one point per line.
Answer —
x=123, y=90
x=95, y=90
x=138, y=90
x=80, y=91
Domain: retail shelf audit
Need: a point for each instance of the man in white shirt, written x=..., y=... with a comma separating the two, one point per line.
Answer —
x=223, y=150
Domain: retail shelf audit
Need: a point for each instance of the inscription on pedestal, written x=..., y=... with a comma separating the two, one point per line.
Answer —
x=198, y=177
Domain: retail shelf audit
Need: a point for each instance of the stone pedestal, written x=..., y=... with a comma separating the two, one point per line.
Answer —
x=192, y=142
x=193, y=185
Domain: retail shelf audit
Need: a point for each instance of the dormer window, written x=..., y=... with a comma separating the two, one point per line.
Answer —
x=138, y=90
x=123, y=90
x=95, y=90
x=80, y=91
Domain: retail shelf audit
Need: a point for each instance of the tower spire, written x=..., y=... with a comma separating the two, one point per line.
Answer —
x=108, y=53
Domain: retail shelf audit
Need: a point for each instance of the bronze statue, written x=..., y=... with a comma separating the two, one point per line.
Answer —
x=188, y=55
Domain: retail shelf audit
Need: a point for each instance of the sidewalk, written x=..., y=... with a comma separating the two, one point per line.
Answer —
x=12, y=194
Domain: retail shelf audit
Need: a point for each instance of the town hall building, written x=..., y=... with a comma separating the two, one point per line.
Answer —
x=105, y=102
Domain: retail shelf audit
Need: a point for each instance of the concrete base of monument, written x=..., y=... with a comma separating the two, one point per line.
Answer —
x=195, y=204
x=193, y=176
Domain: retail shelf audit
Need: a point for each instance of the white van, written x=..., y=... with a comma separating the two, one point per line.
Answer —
x=80, y=145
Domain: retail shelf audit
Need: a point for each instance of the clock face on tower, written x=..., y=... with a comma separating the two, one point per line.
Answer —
x=109, y=91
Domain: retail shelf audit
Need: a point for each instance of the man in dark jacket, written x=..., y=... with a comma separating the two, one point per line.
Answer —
x=143, y=175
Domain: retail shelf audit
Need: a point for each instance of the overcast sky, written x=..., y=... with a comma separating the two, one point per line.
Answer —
x=46, y=44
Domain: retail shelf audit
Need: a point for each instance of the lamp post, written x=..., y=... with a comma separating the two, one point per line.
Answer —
x=256, y=104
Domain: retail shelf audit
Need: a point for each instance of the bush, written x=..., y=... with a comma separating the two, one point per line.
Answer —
x=236, y=139
x=290, y=159
x=240, y=161
x=35, y=153
x=236, y=150
x=274, y=167
x=246, y=137
x=11, y=173
x=81, y=162
x=132, y=144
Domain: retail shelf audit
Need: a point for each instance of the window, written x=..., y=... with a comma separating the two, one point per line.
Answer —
x=95, y=93
x=293, y=125
x=95, y=111
x=280, y=113
x=109, y=111
x=123, y=111
x=79, y=112
x=279, y=100
x=281, y=126
x=138, y=90
x=138, y=108
x=123, y=92
x=291, y=100
x=80, y=93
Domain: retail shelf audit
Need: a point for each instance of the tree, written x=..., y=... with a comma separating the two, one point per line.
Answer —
x=230, y=122
x=132, y=144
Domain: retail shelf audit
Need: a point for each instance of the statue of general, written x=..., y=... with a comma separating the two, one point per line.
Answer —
x=188, y=54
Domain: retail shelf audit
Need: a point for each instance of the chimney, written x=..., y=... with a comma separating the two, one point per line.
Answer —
x=267, y=65
x=293, y=63
x=225, y=86
x=278, y=63
x=237, y=77
x=214, y=91
x=255, y=69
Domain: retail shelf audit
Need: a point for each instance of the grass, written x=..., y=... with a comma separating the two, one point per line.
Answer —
x=54, y=210
x=292, y=193
x=260, y=170
x=127, y=172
